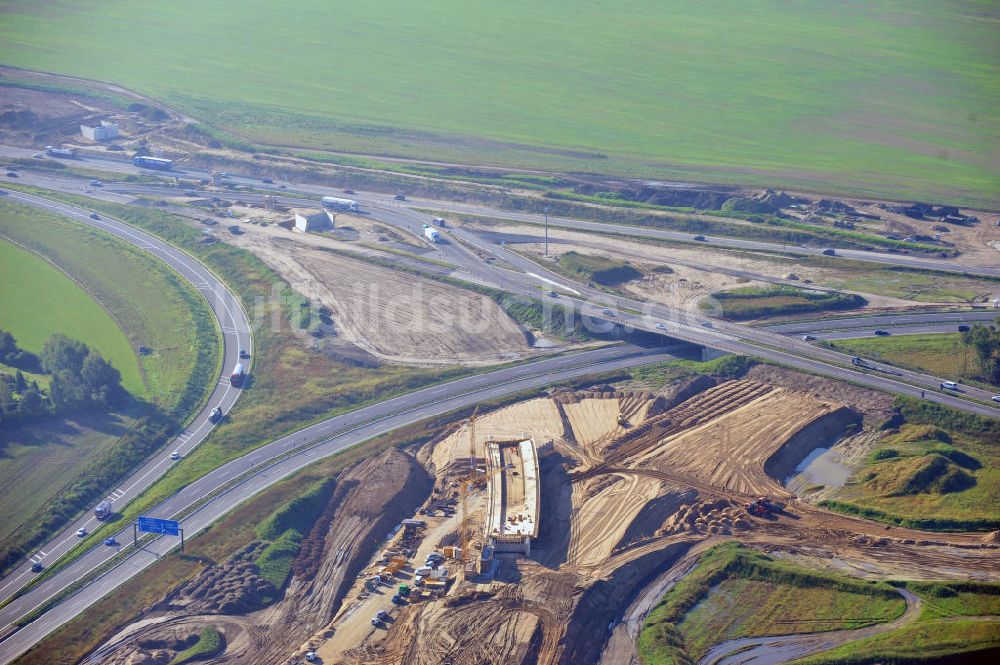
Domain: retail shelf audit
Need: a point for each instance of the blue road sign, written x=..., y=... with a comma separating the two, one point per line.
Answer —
x=156, y=525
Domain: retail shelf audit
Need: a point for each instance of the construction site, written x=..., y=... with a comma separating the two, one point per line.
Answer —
x=519, y=527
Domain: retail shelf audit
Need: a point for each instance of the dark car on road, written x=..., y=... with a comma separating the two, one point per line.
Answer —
x=36, y=567
x=94, y=215
x=963, y=328
x=881, y=333
x=400, y=197
x=700, y=238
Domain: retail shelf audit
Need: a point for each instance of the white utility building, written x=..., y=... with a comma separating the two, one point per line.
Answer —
x=103, y=132
x=313, y=220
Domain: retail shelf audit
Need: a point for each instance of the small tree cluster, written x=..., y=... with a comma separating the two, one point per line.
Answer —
x=81, y=378
x=985, y=341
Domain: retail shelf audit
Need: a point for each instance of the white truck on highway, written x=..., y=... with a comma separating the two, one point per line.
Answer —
x=431, y=234
x=103, y=509
x=336, y=203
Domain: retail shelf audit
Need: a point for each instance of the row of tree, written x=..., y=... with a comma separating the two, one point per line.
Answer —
x=80, y=379
x=985, y=342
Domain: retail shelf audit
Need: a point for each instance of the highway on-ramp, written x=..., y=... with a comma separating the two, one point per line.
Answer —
x=242, y=478
x=235, y=330
x=917, y=261
x=246, y=476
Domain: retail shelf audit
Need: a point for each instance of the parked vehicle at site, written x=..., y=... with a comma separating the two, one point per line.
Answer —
x=760, y=507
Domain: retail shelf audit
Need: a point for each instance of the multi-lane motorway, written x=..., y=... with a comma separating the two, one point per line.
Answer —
x=235, y=331
x=233, y=482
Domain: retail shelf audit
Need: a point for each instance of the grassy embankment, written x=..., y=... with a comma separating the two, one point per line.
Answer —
x=786, y=68
x=774, y=597
x=209, y=643
x=957, y=618
x=598, y=269
x=754, y=302
x=285, y=528
x=292, y=385
x=940, y=354
x=52, y=469
x=937, y=469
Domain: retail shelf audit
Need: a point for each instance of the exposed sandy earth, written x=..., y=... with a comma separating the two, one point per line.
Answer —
x=979, y=244
x=392, y=315
x=630, y=482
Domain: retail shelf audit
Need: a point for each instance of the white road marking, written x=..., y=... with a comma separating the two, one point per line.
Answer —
x=553, y=282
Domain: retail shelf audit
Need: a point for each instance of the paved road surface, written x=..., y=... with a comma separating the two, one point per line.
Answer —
x=235, y=330
x=300, y=449
x=696, y=329
x=118, y=164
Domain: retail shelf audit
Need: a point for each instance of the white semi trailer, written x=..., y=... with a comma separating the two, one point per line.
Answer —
x=431, y=234
x=340, y=204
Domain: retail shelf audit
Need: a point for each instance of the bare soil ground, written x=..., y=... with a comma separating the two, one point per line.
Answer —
x=630, y=483
x=392, y=315
x=697, y=272
x=369, y=499
x=979, y=243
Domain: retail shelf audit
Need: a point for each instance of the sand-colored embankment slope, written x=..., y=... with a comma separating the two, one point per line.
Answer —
x=739, y=426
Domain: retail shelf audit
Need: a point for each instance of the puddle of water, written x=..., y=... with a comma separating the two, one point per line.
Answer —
x=823, y=466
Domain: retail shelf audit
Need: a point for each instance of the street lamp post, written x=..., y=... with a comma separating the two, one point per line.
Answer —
x=546, y=232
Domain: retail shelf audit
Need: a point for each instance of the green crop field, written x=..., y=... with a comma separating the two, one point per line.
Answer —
x=151, y=304
x=940, y=354
x=37, y=300
x=138, y=301
x=898, y=97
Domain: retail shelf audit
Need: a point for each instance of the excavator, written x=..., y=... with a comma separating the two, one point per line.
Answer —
x=760, y=507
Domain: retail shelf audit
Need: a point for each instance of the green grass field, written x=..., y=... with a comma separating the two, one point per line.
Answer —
x=151, y=304
x=144, y=302
x=37, y=299
x=713, y=604
x=895, y=97
x=956, y=618
x=940, y=354
x=948, y=479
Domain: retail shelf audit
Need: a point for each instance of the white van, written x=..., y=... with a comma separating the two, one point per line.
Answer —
x=949, y=385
